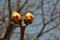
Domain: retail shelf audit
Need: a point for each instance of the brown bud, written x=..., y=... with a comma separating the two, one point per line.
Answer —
x=28, y=18
x=16, y=17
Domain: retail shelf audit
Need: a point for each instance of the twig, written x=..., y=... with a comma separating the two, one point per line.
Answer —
x=52, y=19
x=22, y=33
x=38, y=6
x=44, y=24
x=42, y=19
x=51, y=28
x=18, y=5
x=10, y=26
x=8, y=32
x=22, y=6
x=22, y=26
x=54, y=9
x=9, y=8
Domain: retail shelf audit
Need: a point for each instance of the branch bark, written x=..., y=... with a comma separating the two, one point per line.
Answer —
x=9, y=8
x=8, y=32
x=10, y=26
x=22, y=33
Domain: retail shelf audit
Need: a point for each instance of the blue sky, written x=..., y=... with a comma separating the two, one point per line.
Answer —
x=30, y=28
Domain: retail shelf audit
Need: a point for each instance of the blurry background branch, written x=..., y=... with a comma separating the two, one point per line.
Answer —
x=51, y=28
x=10, y=26
x=55, y=5
x=52, y=19
x=42, y=19
x=44, y=24
x=22, y=6
x=18, y=5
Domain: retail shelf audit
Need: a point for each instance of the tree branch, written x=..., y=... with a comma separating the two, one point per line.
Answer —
x=48, y=30
x=9, y=31
x=42, y=19
x=54, y=9
x=10, y=26
x=9, y=8
x=18, y=5
x=52, y=19
x=22, y=6
x=22, y=33
x=51, y=28
x=44, y=24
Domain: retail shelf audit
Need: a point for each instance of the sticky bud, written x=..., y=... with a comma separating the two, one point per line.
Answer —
x=16, y=17
x=28, y=18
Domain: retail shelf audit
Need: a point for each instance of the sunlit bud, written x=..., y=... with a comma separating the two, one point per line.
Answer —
x=28, y=18
x=16, y=17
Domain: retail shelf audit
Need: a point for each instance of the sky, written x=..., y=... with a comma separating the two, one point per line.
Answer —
x=31, y=29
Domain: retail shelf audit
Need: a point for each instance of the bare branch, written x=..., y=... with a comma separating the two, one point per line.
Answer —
x=44, y=24
x=9, y=8
x=9, y=31
x=22, y=6
x=52, y=19
x=42, y=16
x=54, y=8
x=38, y=6
x=22, y=34
x=42, y=19
x=18, y=5
x=10, y=26
x=51, y=28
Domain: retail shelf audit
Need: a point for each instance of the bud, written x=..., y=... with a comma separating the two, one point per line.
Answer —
x=28, y=18
x=16, y=17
